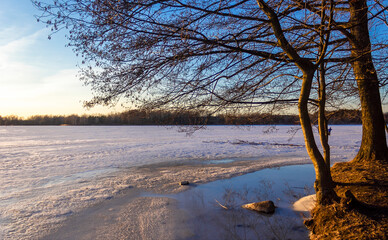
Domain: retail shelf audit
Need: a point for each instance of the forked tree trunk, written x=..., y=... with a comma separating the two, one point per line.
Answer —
x=373, y=145
x=324, y=185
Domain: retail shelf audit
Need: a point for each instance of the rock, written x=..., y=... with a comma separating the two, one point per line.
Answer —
x=305, y=204
x=263, y=207
x=184, y=183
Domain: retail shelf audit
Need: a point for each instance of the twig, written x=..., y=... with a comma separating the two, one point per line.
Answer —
x=224, y=207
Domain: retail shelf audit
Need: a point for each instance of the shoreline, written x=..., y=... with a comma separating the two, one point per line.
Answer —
x=164, y=178
x=143, y=211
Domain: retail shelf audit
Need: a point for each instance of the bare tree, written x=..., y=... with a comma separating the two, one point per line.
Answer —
x=353, y=23
x=210, y=55
x=323, y=184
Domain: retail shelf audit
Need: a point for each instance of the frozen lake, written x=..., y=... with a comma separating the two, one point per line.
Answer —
x=47, y=173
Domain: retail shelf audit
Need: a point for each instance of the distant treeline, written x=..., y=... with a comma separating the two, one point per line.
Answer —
x=140, y=117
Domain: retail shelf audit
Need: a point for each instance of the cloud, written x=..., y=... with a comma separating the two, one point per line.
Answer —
x=18, y=41
x=33, y=83
x=16, y=66
x=9, y=34
x=38, y=76
x=58, y=93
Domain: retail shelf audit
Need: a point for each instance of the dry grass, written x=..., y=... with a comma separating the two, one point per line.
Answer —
x=368, y=219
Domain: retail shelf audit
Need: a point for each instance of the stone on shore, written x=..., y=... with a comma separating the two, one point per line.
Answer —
x=263, y=207
x=184, y=183
x=305, y=204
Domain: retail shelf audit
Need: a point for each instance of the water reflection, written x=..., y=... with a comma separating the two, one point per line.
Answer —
x=219, y=161
x=216, y=213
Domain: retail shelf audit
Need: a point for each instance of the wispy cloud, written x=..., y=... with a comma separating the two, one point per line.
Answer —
x=60, y=93
x=28, y=88
x=16, y=41
x=37, y=76
x=16, y=66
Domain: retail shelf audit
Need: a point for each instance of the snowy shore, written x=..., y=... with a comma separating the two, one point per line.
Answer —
x=50, y=174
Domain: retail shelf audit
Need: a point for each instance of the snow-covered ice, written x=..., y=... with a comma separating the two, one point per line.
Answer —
x=49, y=172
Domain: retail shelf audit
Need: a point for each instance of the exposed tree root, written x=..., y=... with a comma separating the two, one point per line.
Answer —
x=362, y=212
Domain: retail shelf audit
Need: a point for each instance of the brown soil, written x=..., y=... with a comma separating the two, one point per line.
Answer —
x=363, y=214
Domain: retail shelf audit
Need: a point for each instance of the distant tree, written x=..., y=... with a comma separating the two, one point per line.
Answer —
x=345, y=116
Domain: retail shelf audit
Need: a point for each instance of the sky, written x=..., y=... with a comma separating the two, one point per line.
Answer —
x=38, y=76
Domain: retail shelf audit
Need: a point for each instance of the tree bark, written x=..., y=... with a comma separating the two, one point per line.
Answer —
x=324, y=185
x=322, y=120
x=373, y=145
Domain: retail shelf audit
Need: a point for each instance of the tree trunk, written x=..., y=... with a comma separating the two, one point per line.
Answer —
x=373, y=145
x=322, y=120
x=324, y=185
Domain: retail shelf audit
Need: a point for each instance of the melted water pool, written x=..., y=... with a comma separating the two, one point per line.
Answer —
x=283, y=186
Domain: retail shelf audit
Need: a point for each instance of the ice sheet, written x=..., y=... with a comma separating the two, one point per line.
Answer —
x=48, y=173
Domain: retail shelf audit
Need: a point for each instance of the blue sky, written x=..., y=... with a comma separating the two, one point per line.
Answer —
x=37, y=75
